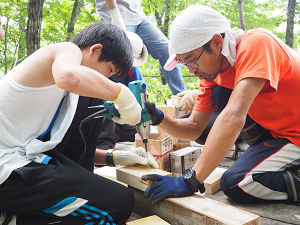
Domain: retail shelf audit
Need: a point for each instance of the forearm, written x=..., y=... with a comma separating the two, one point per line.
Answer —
x=218, y=143
x=180, y=128
x=111, y=4
x=84, y=81
x=188, y=128
x=100, y=157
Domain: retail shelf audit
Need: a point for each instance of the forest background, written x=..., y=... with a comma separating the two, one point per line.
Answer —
x=31, y=24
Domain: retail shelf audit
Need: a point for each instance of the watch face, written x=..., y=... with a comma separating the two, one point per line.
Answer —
x=188, y=173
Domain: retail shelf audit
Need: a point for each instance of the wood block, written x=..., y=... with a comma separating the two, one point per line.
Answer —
x=194, y=209
x=132, y=176
x=150, y=220
x=170, y=111
x=212, y=182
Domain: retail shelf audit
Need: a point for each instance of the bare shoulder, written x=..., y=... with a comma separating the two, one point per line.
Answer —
x=62, y=48
x=65, y=47
x=36, y=69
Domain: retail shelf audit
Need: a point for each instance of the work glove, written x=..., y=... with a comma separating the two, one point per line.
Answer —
x=116, y=18
x=167, y=187
x=188, y=100
x=132, y=157
x=128, y=107
x=157, y=115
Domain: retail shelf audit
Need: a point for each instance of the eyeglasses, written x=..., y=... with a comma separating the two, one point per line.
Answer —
x=193, y=63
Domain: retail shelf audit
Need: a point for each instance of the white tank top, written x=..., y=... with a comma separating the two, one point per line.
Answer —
x=25, y=113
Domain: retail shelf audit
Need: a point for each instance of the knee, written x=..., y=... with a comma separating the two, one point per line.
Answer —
x=227, y=181
x=229, y=185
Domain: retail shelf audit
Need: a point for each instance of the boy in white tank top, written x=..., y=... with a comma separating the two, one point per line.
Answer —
x=46, y=171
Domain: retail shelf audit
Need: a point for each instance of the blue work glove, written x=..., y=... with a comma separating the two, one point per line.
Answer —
x=167, y=187
x=156, y=115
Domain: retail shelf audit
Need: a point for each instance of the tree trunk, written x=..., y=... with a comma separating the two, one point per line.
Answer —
x=241, y=15
x=289, y=34
x=78, y=5
x=165, y=28
x=33, y=32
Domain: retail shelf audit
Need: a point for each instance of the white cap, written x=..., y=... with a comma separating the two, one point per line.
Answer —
x=195, y=26
x=139, y=50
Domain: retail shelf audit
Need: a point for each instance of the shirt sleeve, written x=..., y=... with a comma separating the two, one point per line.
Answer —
x=204, y=100
x=257, y=57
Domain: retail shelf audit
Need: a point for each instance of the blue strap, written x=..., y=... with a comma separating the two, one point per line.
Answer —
x=52, y=122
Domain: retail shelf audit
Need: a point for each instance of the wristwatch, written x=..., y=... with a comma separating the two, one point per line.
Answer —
x=189, y=176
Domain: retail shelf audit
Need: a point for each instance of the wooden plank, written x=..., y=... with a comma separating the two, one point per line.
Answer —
x=192, y=210
x=132, y=176
x=195, y=209
x=150, y=220
x=212, y=182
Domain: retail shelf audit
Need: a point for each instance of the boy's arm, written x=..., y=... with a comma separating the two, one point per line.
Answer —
x=70, y=75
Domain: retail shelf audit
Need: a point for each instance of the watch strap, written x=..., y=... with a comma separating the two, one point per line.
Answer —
x=192, y=180
x=109, y=158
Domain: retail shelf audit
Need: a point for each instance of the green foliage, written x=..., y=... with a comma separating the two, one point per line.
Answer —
x=159, y=92
x=14, y=14
x=270, y=14
x=56, y=15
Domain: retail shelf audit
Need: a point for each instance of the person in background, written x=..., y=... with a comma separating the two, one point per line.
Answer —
x=2, y=32
x=252, y=79
x=129, y=15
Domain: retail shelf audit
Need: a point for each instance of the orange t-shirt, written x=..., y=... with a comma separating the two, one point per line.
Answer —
x=277, y=107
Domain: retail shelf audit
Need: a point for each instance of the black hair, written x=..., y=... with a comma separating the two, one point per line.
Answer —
x=207, y=45
x=116, y=46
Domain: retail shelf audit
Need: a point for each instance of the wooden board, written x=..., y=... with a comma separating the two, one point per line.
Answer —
x=150, y=220
x=212, y=182
x=192, y=210
x=195, y=209
x=132, y=176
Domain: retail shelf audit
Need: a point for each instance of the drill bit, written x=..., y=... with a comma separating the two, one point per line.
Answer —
x=146, y=148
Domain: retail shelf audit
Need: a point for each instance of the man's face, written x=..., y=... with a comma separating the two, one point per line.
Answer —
x=205, y=64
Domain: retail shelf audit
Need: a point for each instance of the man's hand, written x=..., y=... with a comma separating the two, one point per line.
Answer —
x=128, y=107
x=167, y=187
x=116, y=18
x=133, y=157
x=188, y=100
x=157, y=115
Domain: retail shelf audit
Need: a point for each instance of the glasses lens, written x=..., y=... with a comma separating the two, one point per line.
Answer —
x=191, y=65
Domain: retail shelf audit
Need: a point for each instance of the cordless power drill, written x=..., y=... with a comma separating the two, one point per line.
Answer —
x=138, y=88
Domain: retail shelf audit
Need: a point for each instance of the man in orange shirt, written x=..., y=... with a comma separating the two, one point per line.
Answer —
x=261, y=77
